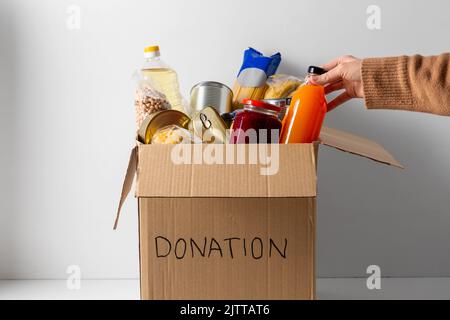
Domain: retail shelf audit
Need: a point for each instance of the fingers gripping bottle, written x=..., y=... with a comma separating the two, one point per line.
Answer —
x=162, y=76
x=306, y=113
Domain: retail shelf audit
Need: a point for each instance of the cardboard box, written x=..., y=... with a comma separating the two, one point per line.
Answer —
x=229, y=231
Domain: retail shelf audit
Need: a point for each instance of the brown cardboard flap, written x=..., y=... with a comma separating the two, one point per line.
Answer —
x=291, y=169
x=357, y=145
x=127, y=182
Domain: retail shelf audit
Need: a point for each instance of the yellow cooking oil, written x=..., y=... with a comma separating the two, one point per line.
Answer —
x=164, y=78
x=166, y=81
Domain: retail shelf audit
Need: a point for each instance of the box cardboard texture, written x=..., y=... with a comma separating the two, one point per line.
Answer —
x=216, y=231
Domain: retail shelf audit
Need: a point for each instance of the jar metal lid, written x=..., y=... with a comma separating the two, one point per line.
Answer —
x=261, y=104
x=283, y=103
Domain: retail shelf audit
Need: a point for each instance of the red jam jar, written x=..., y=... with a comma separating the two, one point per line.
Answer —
x=255, y=122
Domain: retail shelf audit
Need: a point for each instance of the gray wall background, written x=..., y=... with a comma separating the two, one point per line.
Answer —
x=67, y=121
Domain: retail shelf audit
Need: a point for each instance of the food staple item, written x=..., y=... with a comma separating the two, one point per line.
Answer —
x=161, y=119
x=147, y=100
x=254, y=124
x=281, y=86
x=303, y=122
x=211, y=93
x=252, y=93
x=252, y=77
x=173, y=134
x=208, y=125
x=164, y=78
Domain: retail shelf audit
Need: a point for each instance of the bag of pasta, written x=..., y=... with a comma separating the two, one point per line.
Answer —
x=252, y=77
x=281, y=86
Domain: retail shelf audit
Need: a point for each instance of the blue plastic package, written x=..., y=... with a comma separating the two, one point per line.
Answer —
x=256, y=68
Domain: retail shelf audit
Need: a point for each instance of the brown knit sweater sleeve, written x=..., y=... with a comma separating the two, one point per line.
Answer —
x=414, y=83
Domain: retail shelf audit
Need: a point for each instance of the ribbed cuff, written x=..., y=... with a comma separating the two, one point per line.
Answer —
x=386, y=83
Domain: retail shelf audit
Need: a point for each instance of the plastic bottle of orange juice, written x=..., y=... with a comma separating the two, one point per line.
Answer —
x=305, y=115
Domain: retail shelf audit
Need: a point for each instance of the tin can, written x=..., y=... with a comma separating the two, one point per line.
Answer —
x=160, y=119
x=209, y=126
x=282, y=103
x=211, y=93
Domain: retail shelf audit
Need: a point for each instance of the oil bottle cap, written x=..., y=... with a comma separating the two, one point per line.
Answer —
x=316, y=70
x=151, y=52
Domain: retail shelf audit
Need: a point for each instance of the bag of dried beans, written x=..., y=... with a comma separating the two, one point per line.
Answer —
x=148, y=100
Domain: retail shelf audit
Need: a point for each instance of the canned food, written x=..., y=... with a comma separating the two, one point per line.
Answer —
x=211, y=93
x=160, y=119
x=209, y=126
x=282, y=103
x=173, y=134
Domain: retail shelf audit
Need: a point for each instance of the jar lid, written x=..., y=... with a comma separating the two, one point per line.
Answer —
x=261, y=104
x=278, y=102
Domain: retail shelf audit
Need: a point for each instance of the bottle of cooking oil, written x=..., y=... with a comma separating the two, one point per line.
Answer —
x=162, y=77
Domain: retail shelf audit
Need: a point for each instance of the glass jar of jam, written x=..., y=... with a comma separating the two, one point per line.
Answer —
x=255, y=123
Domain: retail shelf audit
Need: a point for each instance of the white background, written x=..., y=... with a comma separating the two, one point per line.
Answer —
x=67, y=125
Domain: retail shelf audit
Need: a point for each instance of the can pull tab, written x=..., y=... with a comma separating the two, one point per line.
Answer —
x=205, y=121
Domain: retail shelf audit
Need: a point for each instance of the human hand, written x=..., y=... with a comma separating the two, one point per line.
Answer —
x=342, y=73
